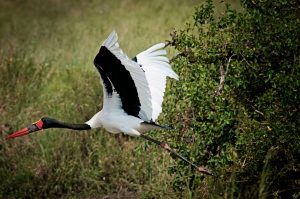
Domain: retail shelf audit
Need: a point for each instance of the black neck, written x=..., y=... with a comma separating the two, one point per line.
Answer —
x=53, y=123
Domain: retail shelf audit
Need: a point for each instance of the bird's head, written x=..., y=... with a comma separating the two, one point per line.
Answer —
x=42, y=123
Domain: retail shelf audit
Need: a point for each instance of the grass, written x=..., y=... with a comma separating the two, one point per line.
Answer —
x=46, y=69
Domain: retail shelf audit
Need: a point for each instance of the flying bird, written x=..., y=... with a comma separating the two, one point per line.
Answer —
x=133, y=91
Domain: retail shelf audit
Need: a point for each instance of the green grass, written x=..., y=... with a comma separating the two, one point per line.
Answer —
x=46, y=69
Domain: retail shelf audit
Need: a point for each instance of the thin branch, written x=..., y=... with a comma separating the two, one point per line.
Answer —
x=177, y=56
x=188, y=53
x=223, y=74
x=222, y=81
x=174, y=39
x=257, y=111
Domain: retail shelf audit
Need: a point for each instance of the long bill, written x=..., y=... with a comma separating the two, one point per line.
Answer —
x=173, y=153
x=32, y=128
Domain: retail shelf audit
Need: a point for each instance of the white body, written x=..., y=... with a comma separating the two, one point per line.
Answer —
x=116, y=122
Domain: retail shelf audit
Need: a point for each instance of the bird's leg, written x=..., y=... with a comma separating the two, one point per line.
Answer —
x=165, y=146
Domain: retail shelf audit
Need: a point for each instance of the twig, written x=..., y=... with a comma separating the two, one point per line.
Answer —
x=222, y=77
x=188, y=53
x=257, y=111
x=244, y=163
x=176, y=56
x=222, y=81
x=174, y=39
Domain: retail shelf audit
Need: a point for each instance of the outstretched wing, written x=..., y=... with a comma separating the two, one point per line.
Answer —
x=157, y=68
x=127, y=84
x=119, y=87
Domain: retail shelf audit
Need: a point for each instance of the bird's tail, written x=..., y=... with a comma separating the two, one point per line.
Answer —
x=147, y=126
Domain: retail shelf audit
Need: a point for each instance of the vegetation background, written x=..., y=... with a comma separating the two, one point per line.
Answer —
x=235, y=108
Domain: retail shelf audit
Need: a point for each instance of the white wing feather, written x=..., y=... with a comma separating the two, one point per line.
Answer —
x=157, y=68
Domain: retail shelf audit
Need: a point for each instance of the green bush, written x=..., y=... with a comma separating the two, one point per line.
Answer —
x=236, y=106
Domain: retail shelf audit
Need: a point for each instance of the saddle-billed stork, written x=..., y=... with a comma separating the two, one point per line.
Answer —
x=133, y=92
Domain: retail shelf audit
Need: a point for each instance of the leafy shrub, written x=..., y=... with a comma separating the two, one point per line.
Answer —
x=236, y=105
